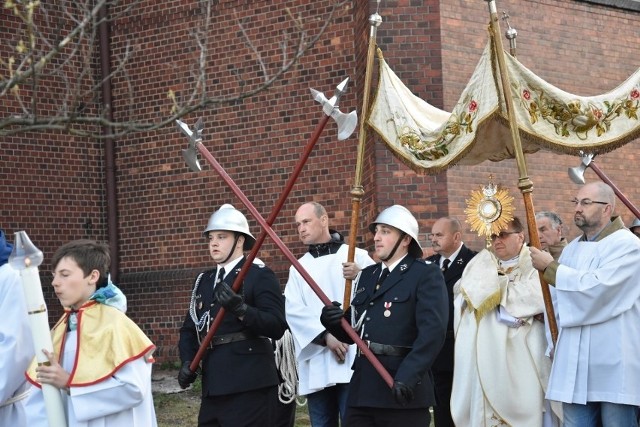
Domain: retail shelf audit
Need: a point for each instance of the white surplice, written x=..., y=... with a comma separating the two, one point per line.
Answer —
x=597, y=298
x=317, y=365
x=16, y=348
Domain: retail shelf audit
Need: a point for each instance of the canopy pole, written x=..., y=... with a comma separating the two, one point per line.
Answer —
x=524, y=183
x=357, y=191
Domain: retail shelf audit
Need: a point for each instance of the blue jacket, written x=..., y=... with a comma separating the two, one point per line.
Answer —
x=243, y=365
x=414, y=296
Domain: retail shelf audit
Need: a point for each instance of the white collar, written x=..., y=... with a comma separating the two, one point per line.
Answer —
x=392, y=266
x=229, y=266
x=452, y=257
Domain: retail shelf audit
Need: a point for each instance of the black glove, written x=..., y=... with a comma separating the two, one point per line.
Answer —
x=402, y=393
x=231, y=301
x=185, y=376
x=331, y=316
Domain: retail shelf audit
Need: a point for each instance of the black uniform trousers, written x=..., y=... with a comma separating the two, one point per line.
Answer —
x=442, y=368
x=385, y=417
x=254, y=408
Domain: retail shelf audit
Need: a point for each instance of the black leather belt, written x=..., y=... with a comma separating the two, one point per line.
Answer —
x=228, y=338
x=387, y=349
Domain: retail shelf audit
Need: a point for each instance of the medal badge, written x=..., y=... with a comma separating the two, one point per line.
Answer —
x=387, y=311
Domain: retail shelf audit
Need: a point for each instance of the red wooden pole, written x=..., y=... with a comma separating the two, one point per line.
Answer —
x=256, y=247
x=287, y=253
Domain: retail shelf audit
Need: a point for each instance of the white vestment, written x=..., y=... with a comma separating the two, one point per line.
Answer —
x=125, y=399
x=16, y=348
x=317, y=365
x=500, y=370
x=597, y=301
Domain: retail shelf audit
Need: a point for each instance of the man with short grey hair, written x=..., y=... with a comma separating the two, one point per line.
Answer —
x=595, y=368
x=550, y=233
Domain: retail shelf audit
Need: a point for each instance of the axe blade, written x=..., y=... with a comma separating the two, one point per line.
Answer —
x=577, y=174
x=346, y=123
x=190, y=154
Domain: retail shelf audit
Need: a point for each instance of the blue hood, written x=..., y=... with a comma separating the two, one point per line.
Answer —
x=5, y=249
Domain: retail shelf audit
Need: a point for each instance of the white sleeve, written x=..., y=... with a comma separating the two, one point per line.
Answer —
x=130, y=385
x=303, y=316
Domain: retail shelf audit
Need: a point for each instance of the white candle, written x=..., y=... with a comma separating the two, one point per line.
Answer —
x=26, y=258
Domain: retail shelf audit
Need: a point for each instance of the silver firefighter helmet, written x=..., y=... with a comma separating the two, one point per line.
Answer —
x=399, y=217
x=229, y=218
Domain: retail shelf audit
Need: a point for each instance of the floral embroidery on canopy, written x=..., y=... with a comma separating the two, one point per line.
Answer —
x=577, y=117
x=429, y=140
x=424, y=149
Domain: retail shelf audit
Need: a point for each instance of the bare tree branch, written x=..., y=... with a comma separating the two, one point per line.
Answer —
x=67, y=57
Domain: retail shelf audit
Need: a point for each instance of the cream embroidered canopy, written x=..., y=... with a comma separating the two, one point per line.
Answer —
x=429, y=140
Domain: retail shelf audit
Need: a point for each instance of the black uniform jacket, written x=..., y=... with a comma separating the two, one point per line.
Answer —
x=242, y=365
x=444, y=361
x=415, y=299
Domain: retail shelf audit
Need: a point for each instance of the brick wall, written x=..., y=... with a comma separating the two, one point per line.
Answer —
x=53, y=184
x=164, y=207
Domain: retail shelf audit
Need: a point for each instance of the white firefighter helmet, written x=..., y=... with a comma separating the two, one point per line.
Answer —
x=229, y=218
x=399, y=217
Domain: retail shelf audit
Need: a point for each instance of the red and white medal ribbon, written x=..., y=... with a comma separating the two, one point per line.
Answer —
x=387, y=306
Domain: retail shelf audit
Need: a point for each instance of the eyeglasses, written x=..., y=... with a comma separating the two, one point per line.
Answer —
x=503, y=235
x=587, y=202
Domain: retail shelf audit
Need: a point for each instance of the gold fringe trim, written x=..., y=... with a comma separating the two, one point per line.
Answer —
x=490, y=303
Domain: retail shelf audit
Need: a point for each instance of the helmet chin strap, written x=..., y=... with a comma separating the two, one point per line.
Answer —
x=233, y=248
x=395, y=247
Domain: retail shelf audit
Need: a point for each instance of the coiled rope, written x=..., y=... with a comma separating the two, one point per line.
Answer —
x=286, y=362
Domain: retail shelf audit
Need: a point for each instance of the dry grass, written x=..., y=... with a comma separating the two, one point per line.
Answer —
x=181, y=409
x=177, y=409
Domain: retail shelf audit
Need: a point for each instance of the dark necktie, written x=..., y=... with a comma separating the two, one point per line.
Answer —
x=445, y=265
x=385, y=273
x=219, y=278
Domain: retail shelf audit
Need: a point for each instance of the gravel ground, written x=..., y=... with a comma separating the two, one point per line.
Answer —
x=165, y=382
x=174, y=407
